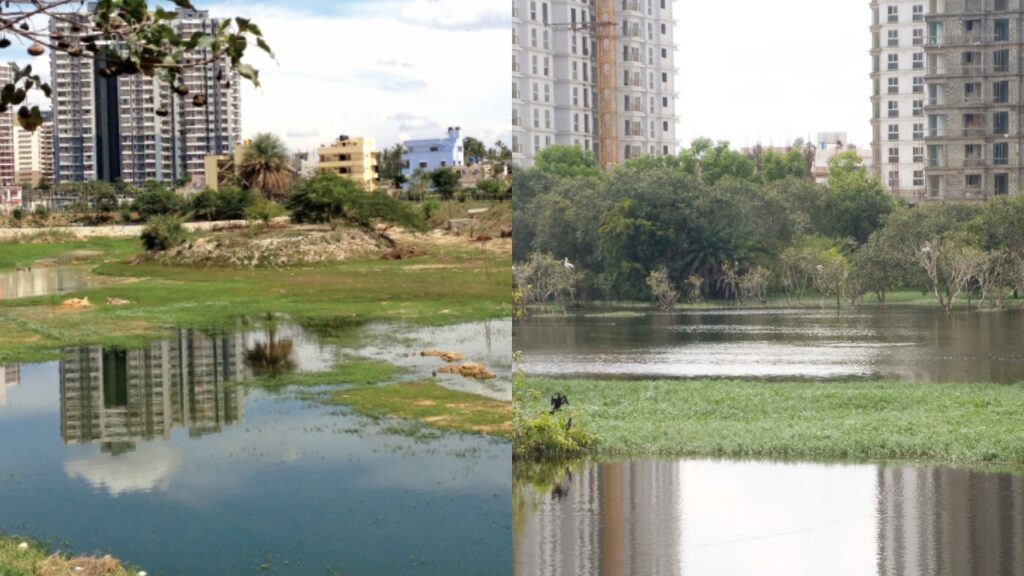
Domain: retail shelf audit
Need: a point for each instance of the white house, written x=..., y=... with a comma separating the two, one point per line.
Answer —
x=433, y=153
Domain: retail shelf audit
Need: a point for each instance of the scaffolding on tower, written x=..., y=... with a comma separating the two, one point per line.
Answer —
x=607, y=76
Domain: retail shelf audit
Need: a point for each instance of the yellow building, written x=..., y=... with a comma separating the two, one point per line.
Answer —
x=353, y=158
x=221, y=169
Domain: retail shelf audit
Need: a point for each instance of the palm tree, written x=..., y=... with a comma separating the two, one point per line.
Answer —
x=265, y=166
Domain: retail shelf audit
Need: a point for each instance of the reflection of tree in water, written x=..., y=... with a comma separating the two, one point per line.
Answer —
x=273, y=357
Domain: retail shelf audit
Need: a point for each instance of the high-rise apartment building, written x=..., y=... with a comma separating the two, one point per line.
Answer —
x=136, y=128
x=898, y=101
x=555, y=65
x=6, y=134
x=974, y=79
x=947, y=79
x=33, y=152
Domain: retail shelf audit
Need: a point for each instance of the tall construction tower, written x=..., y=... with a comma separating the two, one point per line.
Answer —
x=599, y=75
x=607, y=89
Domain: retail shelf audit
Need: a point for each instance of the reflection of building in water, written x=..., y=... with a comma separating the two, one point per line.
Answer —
x=944, y=522
x=10, y=376
x=612, y=520
x=119, y=397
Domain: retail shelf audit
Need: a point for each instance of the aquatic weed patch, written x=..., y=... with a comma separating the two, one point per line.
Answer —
x=885, y=420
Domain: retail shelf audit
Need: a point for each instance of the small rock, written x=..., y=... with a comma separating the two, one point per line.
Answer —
x=76, y=303
x=23, y=547
x=446, y=356
x=117, y=302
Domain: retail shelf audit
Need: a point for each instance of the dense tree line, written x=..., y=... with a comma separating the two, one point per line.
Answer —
x=714, y=222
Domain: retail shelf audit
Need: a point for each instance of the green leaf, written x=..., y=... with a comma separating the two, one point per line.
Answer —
x=249, y=73
x=266, y=48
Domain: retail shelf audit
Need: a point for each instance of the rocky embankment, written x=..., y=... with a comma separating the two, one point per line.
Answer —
x=275, y=251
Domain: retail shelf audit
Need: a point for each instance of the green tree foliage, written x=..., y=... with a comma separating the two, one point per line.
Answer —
x=446, y=181
x=227, y=203
x=782, y=166
x=473, y=148
x=328, y=198
x=265, y=167
x=162, y=233
x=128, y=37
x=391, y=165
x=856, y=205
x=156, y=200
x=566, y=162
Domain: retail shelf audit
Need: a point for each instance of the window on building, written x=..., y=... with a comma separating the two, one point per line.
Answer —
x=1001, y=153
x=894, y=155
x=918, y=109
x=972, y=181
x=1001, y=30
x=919, y=131
x=894, y=108
x=918, y=60
x=1000, y=184
x=894, y=85
x=918, y=178
x=894, y=37
x=1001, y=61
x=972, y=90
x=893, y=12
x=894, y=131
x=894, y=61
x=999, y=5
x=1001, y=92
x=918, y=84
x=918, y=12
x=894, y=179
x=1001, y=123
x=918, y=36
x=918, y=154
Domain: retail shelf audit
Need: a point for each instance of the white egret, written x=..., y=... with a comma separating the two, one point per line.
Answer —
x=569, y=266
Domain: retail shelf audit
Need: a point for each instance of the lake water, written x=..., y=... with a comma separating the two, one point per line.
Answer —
x=162, y=457
x=910, y=343
x=46, y=281
x=720, y=518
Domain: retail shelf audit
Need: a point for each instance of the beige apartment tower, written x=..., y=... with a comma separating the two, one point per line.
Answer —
x=556, y=63
x=947, y=78
x=353, y=158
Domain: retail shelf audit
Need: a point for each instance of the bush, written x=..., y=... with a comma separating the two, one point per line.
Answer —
x=544, y=436
x=328, y=198
x=264, y=211
x=430, y=206
x=42, y=213
x=157, y=201
x=18, y=214
x=162, y=233
x=228, y=203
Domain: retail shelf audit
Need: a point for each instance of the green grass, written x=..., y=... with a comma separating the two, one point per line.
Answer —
x=352, y=372
x=37, y=561
x=429, y=404
x=448, y=286
x=963, y=424
x=22, y=254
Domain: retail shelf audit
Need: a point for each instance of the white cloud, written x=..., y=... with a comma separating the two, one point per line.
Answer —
x=348, y=74
x=458, y=14
x=149, y=467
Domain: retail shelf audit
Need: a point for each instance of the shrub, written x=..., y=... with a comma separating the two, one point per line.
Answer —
x=662, y=289
x=228, y=203
x=156, y=201
x=42, y=213
x=162, y=233
x=328, y=198
x=18, y=214
x=430, y=206
x=264, y=211
x=543, y=436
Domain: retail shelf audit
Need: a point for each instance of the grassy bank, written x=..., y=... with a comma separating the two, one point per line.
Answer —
x=446, y=286
x=895, y=299
x=22, y=558
x=22, y=254
x=965, y=424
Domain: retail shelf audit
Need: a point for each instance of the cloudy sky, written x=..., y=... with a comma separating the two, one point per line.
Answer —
x=752, y=70
x=389, y=69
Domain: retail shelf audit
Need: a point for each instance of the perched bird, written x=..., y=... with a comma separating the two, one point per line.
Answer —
x=557, y=401
x=569, y=266
x=568, y=423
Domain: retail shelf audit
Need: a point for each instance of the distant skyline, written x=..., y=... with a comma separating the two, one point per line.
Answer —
x=771, y=72
x=387, y=69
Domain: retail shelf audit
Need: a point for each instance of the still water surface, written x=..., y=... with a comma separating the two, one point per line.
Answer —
x=46, y=281
x=912, y=343
x=164, y=458
x=720, y=518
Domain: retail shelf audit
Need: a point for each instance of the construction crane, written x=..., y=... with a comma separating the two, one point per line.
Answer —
x=606, y=104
